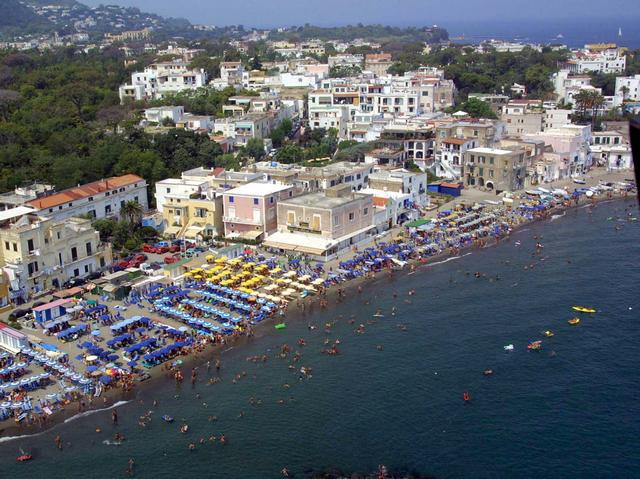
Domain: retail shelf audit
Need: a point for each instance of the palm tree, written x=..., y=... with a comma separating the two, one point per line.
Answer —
x=597, y=102
x=624, y=89
x=132, y=212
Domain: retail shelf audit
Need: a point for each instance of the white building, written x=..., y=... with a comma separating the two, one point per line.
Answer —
x=160, y=113
x=159, y=79
x=100, y=199
x=178, y=189
x=449, y=158
x=601, y=58
x=628, y=87
x=556, y=118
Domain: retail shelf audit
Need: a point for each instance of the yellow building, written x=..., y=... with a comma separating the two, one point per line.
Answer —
x=193, y=217
x=39, y=253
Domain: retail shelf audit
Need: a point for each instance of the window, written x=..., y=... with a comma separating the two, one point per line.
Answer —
x=60, y=259
x=50, y=210
x=6, y=245
x=366, y=211
x=491, y=160
x=291, y=217
x=76, y=272
x=89, y=248
x=15, y=246
x=122, y=204
x=58, y=234
x=290, y=194
x=30, y=247
x=336, y=220
x=168, y=190
x=256, y=201
x=232, y=212
x=70, y=204
x=74, y=253
x=231, y=199
x=86, y=268
x=107, y=210
x=490, y=173
x=271, y=200
x=351, y=216
x=90, y=198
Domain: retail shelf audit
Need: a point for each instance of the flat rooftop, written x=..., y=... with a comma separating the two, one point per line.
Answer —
x=321, y=200
x=257, y=188
x=490, y=151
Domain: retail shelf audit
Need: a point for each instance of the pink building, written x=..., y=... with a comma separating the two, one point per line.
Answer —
x=250, y=211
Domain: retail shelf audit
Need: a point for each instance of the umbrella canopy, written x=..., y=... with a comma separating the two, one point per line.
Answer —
x=91, y=369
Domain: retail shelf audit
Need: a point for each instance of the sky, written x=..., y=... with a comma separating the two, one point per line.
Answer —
x=454, y=15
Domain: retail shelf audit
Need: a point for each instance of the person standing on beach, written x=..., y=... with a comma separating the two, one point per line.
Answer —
x=58, y=441
x=114, y=416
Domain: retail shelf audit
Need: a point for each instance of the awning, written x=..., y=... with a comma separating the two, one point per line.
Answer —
x=193, y=231
x=251, y=234
x=65, y=293
x=172, y=230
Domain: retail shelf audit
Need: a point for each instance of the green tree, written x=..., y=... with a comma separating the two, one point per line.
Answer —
x=290, y=154
x=478, y=108
x=132, y=213
x=255, y=148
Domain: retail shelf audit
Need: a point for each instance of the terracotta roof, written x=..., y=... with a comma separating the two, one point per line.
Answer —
x=84, y=191
x=455, y=141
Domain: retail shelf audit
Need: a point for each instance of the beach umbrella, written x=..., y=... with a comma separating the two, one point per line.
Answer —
x=91, y=369
x=95, y=332
x=133, y=364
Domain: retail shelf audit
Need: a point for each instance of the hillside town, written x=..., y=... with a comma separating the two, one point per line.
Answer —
x=318, y=161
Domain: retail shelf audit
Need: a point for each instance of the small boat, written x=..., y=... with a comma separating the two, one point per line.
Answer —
x=574, y=321
x=167, y=418
x=280, y=326
x=466, y=396
x=578, y=181
x=535, y=346
x=582, y=309
x=548, y=333
x=487, y=372
x=508, y=347
x=24, y=457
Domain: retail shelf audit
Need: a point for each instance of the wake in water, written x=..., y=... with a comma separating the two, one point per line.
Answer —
x=449, y=259
x=94, y=411
x=72, y=418
x=555, y=217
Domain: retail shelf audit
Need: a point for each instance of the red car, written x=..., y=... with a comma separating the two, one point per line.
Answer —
x=147, y=248
x=169, y=260
x=174, y=249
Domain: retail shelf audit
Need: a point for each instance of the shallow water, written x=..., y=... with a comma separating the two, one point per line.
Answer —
x=567, y=411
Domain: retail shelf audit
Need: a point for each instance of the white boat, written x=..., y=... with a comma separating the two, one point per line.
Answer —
x=561, y=192
x=578, y=181
x=508, y=347
x=544, y=190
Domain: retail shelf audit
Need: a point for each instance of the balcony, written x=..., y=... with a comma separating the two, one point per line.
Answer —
x=242, y=221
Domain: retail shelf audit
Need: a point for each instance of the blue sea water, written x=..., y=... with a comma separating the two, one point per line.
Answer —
x=573, y=32
x=394, y=393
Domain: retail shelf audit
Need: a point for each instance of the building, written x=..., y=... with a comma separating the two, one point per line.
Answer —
x=12, y=340
x=100, y=199
x=23, y=194
x=160, y=114
x=601, y=58
x=41, y=253
x=449, y=158
x=522, y=117
x=196, y=217
x=322, y=224
x=566, y=84
x=250, y=210
x=401, y=181
x=377, y=63
x=495, y=169
x=571, y=142
x=610, y=149
x=162, y=78
x=628, y=88
x=556, y=118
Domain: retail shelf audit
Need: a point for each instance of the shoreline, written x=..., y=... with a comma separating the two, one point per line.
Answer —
x=296, y=311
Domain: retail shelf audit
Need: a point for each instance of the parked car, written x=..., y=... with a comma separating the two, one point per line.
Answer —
x=169, y=260
x=18, y=313
x=94, y=275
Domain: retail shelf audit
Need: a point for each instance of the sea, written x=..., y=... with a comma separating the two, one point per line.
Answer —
x=394, y=393
x=574, y=33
